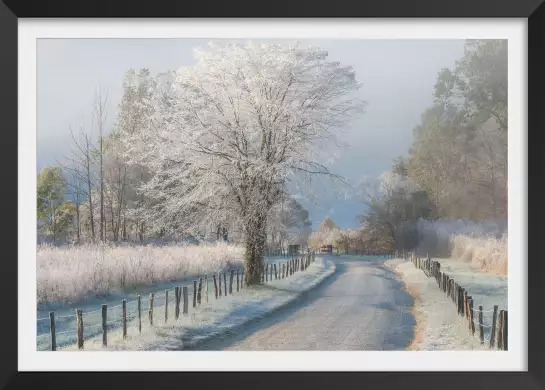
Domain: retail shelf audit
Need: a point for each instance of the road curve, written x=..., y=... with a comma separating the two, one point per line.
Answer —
x=361, y=307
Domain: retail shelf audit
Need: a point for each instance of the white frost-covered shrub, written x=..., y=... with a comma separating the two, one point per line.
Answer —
x=483, y=244
x=71, y=273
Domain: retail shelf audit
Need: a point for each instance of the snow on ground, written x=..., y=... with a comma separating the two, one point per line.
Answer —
x=209, y=320
x=485, y=288
x=65, y=319
x=439, y=327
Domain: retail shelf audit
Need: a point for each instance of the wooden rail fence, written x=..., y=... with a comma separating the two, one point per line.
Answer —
x=280, y=270
x=464, y=304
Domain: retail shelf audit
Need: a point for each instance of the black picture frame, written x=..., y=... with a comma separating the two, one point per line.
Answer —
x=11, y=10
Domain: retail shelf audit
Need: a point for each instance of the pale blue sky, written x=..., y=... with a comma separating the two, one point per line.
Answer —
x=397, y=75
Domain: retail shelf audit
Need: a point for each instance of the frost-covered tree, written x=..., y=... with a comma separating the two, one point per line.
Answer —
x=347, y=240
x=459, y=153
x=327, y=233
x=227, y=134
x=394, y=204
x=288, y=223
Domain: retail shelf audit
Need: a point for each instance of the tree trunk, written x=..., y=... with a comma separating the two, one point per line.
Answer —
x=254, y=252
x=89, y=190
x=54, y=228
x=141, y=232
x=78, y=232
x=102, y=221
x=124, y=229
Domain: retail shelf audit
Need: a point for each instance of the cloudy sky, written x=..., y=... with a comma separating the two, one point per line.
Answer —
x=397, y=75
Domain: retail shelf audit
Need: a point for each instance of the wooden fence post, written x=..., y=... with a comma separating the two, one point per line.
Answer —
x=215, y=286
x=481, y=328
x=79, y=328
x=194, y=294
x=104, y=325
x=493, y=330
x=176, y=302
x=464, y=308
x=271, y=267
x=206, y=288
x=124, y=317
x=166, y=306
x=225, y=283
x=469, y=317
x=500, y=329
x=231, y=277
x=180, y=297
x=238, y=283
x=275, y=272
x=52, y=331
x=186, y=299
x=199, y=291
x=504, y=331
x=150, y=309
x=219, y=277
x=266, y=272
x=139, y=315
x=472, y=317
x=241, y=278
x=461, y=297
x=465, y=311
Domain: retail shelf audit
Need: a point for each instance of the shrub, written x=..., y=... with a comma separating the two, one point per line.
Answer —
x=70, y=273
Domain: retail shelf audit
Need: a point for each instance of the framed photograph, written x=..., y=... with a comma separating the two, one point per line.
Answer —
x=299, y=196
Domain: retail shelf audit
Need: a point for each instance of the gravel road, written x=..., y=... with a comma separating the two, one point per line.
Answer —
x=361, y=307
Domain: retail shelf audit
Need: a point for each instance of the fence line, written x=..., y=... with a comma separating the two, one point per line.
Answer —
x=464, y=305
x=179, y=295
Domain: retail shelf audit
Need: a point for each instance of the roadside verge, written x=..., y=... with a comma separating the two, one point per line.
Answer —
x=438, y=326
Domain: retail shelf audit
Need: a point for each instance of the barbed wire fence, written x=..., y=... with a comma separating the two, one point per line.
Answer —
x=159, y=308
x=487, y=330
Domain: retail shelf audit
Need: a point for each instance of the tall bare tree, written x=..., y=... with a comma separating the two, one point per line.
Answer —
x=100, y=117
x=78, y=164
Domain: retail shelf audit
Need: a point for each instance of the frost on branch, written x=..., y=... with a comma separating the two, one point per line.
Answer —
x=224, y=136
